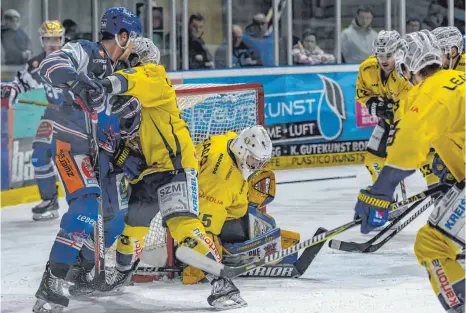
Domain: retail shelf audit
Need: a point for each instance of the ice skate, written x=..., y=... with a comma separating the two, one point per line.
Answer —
x=116, y=280
x=225, y=295
x=46, y=210
x=50, y=295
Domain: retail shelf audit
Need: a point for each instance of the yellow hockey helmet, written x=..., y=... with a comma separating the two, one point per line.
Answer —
x=52, y=29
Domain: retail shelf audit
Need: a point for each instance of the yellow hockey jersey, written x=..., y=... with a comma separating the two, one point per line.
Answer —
x=434, y=116
x=370, y=83
x=223, y=192
x=164, y=136
x=460, y=63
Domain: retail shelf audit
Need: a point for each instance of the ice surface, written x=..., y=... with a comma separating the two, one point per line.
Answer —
x=388, y=281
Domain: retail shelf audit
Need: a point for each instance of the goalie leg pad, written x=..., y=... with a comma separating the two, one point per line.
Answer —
x=437, y=253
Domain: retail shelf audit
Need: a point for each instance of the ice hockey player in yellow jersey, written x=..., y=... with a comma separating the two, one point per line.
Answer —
x=434, y=116
x=230, y=193
x=167, y=181
x=380, y=89
x=450, y=41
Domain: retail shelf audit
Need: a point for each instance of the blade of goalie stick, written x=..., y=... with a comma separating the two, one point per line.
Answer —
x=361, y=247
x=309, y=254
x=195, y=259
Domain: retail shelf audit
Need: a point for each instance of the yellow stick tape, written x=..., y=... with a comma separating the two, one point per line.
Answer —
x=22, y=195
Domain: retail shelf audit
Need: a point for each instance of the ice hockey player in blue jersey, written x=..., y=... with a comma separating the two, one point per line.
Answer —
x=74, y=69
x=52, y=37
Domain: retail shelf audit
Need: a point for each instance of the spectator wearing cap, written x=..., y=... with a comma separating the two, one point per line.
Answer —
x=241, y=55
x=260, y=40
x=357, y=39
x=199, y=55
x=15, y=42
x=435, y=16
x=413, y=24
x=308, y=52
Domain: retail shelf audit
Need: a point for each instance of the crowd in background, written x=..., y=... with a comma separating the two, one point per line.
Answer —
x=252, y=42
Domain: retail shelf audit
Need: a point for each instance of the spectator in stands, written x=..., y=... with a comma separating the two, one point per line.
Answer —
x=241, y=55
x=308, y=52
x=15, y=42
x=435, y=16
x=260, y=40
x=357, y=39
x=71, y=30
x=199, y=55
x=413, y=24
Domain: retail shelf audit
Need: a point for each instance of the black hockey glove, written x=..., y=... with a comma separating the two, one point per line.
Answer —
x=89, y=93
x=132, y=163
x=380, y=108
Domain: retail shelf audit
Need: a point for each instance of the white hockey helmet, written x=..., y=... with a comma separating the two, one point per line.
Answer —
x=448, y=38
x=417, y=50
x=386, y=43
x=144, y=52
x=252, y=149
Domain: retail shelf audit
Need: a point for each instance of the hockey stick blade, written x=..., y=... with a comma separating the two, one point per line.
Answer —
x=351, y=246
x=377, y=246
x=309, y=254
x=361, y=247
x=195, y=259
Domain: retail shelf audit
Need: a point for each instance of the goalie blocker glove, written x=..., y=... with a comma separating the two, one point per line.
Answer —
x=380, y=108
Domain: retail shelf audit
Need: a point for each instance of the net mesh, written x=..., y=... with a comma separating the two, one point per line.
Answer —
x=208, y=110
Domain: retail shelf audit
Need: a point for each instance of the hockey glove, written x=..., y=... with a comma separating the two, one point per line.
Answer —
x=10, y=91
x=441, y=171
x=90, y=92
x=130, y=162
x=372, y=209
x=380, y=108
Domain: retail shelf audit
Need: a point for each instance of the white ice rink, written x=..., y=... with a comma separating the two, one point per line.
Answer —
x=388, y=281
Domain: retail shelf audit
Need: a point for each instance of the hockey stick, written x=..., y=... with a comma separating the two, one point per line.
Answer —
x=315, y=180
x=403, y=189
x=190, y=256
x=290, y=270
x=368, y=245
x=39, y=103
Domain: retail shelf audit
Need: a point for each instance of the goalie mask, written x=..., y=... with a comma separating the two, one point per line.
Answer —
x=262, y=188
x=252, y=150
x=417, y=51
x=450, y=41
x=144, y=52
x=52, y=36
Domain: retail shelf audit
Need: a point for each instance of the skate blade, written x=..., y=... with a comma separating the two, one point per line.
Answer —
x=47, y=216
x=42, y=306
x=229, y=303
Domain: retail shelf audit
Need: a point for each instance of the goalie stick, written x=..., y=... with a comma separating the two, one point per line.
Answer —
x=190, y=256
x=292, y=270
x=369, y=246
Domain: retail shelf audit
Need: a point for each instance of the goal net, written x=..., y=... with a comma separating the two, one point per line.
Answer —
x=208, y=110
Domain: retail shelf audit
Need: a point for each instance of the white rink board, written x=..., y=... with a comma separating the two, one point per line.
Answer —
x=388, y=281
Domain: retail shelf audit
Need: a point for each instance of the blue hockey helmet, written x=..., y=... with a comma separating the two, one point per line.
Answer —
x=117, y=19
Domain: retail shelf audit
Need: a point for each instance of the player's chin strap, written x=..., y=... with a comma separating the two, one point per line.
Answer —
x=128, y=48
